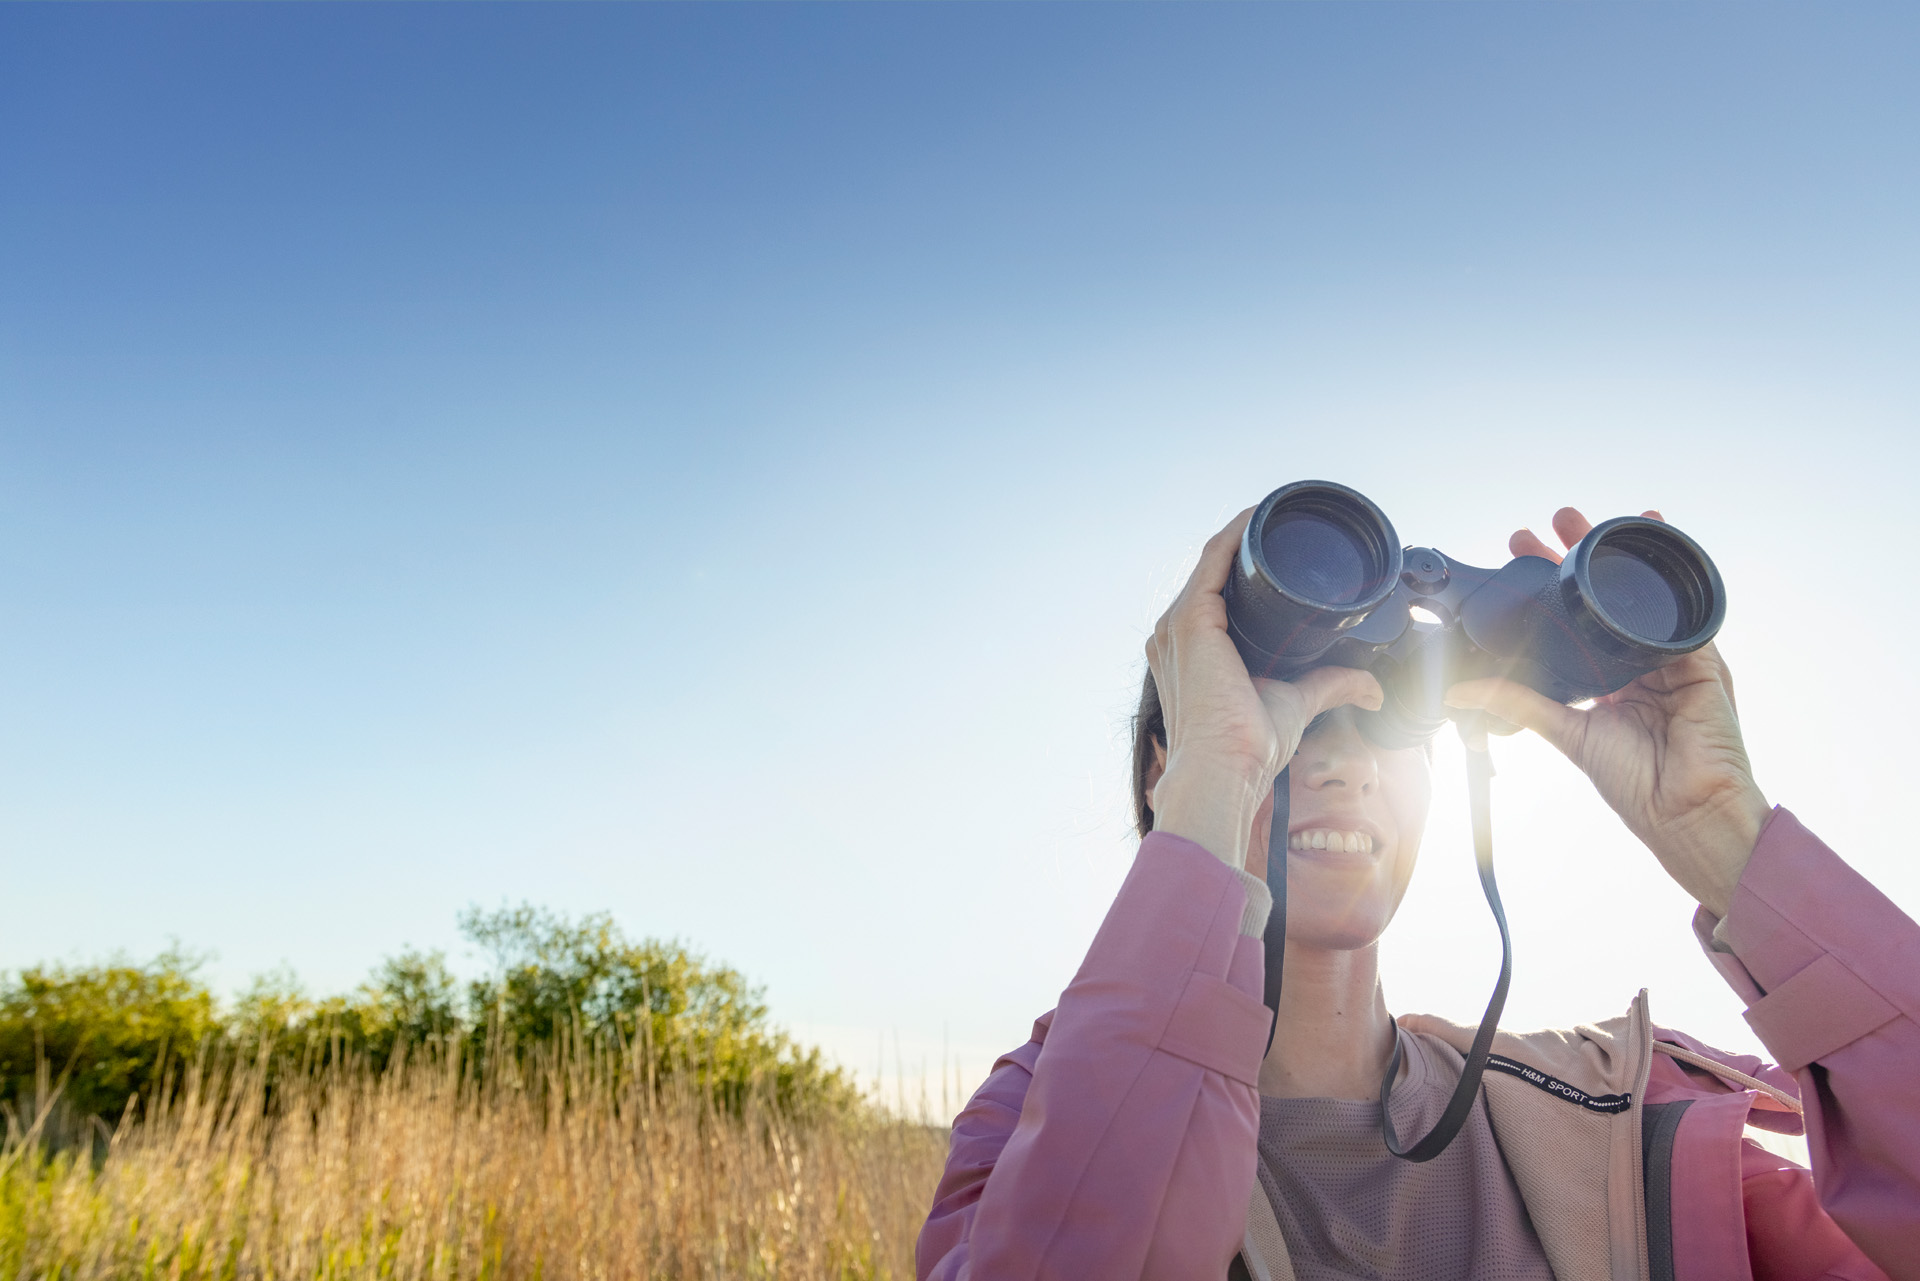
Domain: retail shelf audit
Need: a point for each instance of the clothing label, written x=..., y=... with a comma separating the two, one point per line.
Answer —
x=1554, y=1085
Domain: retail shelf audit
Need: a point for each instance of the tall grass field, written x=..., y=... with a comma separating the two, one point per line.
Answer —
x=566, y=1163
x=591, y=1107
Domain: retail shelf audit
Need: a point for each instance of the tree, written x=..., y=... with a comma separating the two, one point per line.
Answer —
x=108, y=1029
x=410, y=998
x=684, y=1013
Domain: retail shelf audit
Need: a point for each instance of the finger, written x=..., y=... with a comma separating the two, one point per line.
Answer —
x=1511, y=701
x=1155, y=639
x=1711, y=652
x=1571, y=525
x=1527, y=543
x=1325, y=688
x=1216, y=559
x=1653, y=516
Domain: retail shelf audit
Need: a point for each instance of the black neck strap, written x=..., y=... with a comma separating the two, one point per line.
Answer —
x=1479, y=789
x=1274, y=940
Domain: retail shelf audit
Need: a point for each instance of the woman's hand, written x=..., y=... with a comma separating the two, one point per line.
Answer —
x=1228, y=736
x=1665, y=751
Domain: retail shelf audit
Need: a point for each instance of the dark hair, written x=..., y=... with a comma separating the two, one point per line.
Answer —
x=1149, y=727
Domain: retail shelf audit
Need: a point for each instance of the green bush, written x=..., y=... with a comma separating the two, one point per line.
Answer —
x=670, y=1008
x=105, y=1029
x=113, y=1030
x=409, y=999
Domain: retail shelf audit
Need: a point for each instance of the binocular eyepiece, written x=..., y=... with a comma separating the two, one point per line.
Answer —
x=1322, y=580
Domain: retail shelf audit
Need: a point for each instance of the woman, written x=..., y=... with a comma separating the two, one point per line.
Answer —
x=1140, y=1133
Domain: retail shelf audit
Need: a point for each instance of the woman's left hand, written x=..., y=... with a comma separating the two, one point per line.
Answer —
x=1665, y=751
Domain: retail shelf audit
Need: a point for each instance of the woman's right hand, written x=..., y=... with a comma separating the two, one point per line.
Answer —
x=1228, y=735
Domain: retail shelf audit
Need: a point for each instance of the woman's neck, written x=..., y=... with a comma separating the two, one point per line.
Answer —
x=1334, y=1035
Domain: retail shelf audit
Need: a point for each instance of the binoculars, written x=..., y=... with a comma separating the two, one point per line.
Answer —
x=1322, y=580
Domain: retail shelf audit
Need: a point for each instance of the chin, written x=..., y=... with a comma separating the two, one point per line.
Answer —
x=1335, y=936
x=1338, y=914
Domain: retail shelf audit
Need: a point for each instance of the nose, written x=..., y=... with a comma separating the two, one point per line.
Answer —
x=1336, y=755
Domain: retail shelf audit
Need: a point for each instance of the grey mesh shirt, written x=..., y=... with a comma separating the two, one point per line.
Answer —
x=1348, y=1208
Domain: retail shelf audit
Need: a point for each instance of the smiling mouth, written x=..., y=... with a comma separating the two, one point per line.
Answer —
x=1326, y=838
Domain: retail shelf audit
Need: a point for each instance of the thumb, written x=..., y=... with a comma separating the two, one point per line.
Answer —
x=1325, y=688
x=1512, y=701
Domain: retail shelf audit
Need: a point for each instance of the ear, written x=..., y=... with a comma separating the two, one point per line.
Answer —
x=1155, y=770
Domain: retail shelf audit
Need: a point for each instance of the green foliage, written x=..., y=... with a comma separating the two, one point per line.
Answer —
x=410, y=999
x=113, y=1029
x=104, y=1028
x=671, y=1009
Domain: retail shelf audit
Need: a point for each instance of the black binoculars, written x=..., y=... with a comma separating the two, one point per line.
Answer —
x=1321, y=580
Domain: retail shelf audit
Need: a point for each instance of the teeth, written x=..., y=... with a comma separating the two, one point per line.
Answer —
x=1320, y=838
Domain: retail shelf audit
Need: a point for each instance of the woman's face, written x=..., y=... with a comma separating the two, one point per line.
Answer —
x=1356, y=816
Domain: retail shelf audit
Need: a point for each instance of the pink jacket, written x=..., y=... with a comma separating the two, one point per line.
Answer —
x=1120, y=1141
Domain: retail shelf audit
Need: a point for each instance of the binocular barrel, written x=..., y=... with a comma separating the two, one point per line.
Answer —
x=1321, y=578
x=1640, y=590
x=1316, y=559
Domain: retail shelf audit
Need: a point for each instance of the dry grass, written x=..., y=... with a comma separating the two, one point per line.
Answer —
x=564, y=1167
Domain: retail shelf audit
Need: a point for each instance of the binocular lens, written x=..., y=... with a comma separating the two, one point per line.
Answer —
x=1636, y=594
x=1326, y=544
x=1651, y=586
x=1315, y=560
x=1320, y=558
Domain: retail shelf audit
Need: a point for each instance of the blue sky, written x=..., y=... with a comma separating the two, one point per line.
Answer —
x=718, y=464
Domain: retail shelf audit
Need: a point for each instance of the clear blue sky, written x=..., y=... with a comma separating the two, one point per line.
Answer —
x=718, y=464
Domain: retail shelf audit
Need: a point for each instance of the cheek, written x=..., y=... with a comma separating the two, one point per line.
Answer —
x=1411, y=795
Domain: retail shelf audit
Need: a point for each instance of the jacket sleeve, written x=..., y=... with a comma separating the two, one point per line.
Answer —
x=1789, y=1236
x=1830, y=970
x=1119, y=1142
